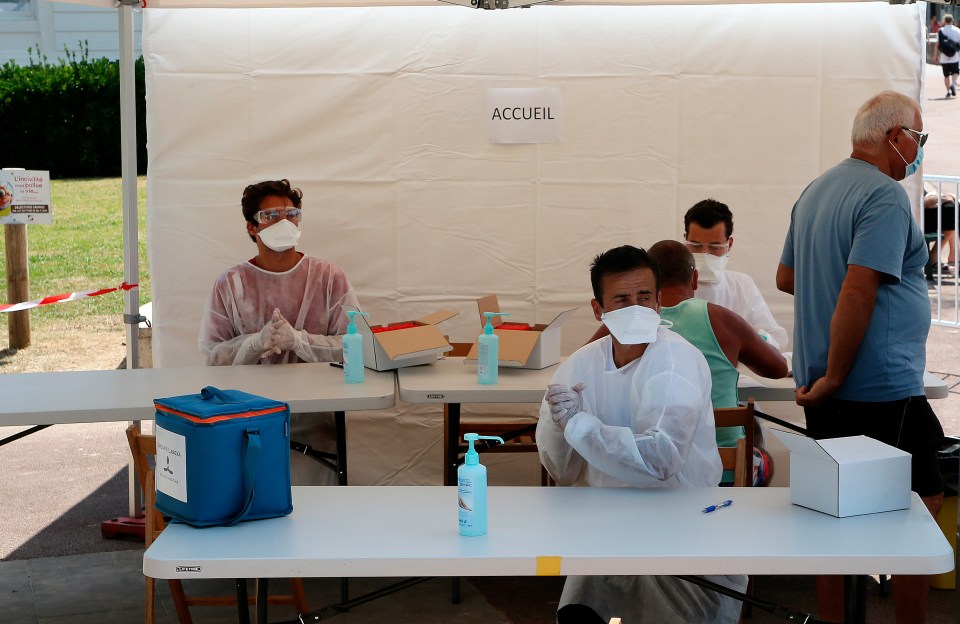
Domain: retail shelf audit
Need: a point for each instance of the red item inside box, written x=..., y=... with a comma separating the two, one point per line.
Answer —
x=395, y=326
x=514, y=326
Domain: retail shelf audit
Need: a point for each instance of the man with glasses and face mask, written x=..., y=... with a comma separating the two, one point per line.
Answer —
x=708, y=234
x=280, y=306
x=633, y=409
x=853, y=259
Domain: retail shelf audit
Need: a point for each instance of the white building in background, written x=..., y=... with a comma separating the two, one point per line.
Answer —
x=48, y=27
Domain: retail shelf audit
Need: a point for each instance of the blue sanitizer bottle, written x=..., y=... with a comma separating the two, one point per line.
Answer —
x=488, y=352
x=472, y=489
x=353, y=352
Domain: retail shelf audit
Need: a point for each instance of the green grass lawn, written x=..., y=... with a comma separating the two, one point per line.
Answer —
x=82, y=250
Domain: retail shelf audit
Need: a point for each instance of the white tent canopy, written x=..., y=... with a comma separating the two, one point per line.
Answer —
x=377, y=114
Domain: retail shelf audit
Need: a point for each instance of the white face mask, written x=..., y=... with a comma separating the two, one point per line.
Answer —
x=280, y=236
x=633, y=325
x=710, y=267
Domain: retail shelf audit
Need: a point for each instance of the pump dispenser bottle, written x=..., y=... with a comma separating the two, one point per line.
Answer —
x=472, y=489
x=488, y=352
x=353, y=352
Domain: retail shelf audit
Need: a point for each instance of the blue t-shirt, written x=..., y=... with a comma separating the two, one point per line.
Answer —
x=854, y=214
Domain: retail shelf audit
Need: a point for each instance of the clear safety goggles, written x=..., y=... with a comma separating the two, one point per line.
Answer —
x=272, y=216
x=714, y=249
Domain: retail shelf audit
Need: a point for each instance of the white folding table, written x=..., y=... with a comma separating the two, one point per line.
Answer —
x=451, y=382
x=412, y=531
x=785, y=389
x=44, y=399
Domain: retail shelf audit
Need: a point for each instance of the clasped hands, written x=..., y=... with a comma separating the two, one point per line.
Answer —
x=277, y=335
x=564, y=402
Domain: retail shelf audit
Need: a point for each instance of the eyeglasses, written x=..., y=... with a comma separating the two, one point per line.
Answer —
x=272, y=216
x=714, y=249
x=921, y=136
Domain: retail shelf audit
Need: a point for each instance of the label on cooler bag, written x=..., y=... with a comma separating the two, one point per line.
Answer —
x=171, y=470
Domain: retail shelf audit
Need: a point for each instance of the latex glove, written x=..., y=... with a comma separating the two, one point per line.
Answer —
x=260, y=342
x=564, y=402
x=285, y=337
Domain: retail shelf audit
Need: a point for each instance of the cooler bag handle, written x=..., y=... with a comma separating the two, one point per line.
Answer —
x=217, y=395
x=251, y=459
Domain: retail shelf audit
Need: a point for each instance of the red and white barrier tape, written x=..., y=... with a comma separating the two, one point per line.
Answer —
x=26, y=305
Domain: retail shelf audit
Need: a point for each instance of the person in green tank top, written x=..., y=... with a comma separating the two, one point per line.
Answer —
x=724, y=338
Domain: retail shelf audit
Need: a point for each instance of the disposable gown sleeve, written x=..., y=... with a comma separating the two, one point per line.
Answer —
x=562, y=462
x=643, y=457
x=322, y=348
x=219, y=344
x=760, y=317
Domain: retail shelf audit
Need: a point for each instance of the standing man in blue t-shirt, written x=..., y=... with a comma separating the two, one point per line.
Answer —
x=853, y=258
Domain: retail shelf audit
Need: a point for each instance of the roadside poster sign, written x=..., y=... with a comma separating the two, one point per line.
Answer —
x=25, y=197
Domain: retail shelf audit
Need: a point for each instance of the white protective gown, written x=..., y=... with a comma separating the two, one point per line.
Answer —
x=738, y=292
x=648, y=424
x=310, y=296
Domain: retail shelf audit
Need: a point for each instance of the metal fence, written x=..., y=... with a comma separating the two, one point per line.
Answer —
x=942, y=278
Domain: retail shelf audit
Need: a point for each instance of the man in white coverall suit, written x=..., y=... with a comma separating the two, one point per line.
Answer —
x=633, y=410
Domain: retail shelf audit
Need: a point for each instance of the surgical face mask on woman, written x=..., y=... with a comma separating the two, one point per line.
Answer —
x=633, y=325
x=280, y=236
x=710, y=267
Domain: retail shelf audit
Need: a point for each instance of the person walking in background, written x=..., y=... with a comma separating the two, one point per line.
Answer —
x=948, y=52
x=854, y=254
x=934, y=25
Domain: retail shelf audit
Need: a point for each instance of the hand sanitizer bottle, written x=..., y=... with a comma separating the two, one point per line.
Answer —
x=353, y=352
x=472, y=489
x=488, y=352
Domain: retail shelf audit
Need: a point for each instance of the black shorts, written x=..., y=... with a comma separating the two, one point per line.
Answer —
x=947, y=221
x=908, y=424
x=950, y=68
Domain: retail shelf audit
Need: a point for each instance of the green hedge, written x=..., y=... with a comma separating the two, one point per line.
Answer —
x=65, y=116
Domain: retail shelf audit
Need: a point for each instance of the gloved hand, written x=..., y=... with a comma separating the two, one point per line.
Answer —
x=564, y=402
x=285, y=337
x=261, y=341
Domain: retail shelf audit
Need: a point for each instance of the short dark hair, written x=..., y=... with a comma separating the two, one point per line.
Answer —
x=254, y=195
x=675, y=261
x=708, y=213
x=620, y=260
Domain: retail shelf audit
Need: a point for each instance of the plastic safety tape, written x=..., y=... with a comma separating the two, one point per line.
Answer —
x=26, y=305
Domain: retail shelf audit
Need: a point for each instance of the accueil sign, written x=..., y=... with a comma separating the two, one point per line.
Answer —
x=523, y=115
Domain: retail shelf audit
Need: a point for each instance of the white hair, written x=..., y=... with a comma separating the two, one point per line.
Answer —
x=880, y=114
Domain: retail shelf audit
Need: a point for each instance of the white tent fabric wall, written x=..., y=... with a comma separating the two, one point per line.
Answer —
x=377, y=114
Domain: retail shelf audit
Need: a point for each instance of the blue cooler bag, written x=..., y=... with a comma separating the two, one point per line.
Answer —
x=223, y=456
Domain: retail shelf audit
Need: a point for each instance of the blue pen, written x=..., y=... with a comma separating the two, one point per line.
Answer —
x=725, y=503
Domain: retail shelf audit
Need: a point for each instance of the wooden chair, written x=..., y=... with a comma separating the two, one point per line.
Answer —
x=738, y=458
x=143, y=447
x=519, y=435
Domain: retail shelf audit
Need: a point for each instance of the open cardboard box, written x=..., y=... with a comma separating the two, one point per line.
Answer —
x=410, y=346
x=847, y=476
x=537, y=347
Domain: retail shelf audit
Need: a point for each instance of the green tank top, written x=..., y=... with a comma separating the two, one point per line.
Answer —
x=692, y=321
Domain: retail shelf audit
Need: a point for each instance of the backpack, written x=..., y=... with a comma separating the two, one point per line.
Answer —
x=948, y=47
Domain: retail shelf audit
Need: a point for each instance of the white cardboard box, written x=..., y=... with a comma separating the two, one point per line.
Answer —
x=411, y=346
x=538, y=347
x=847, y=476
